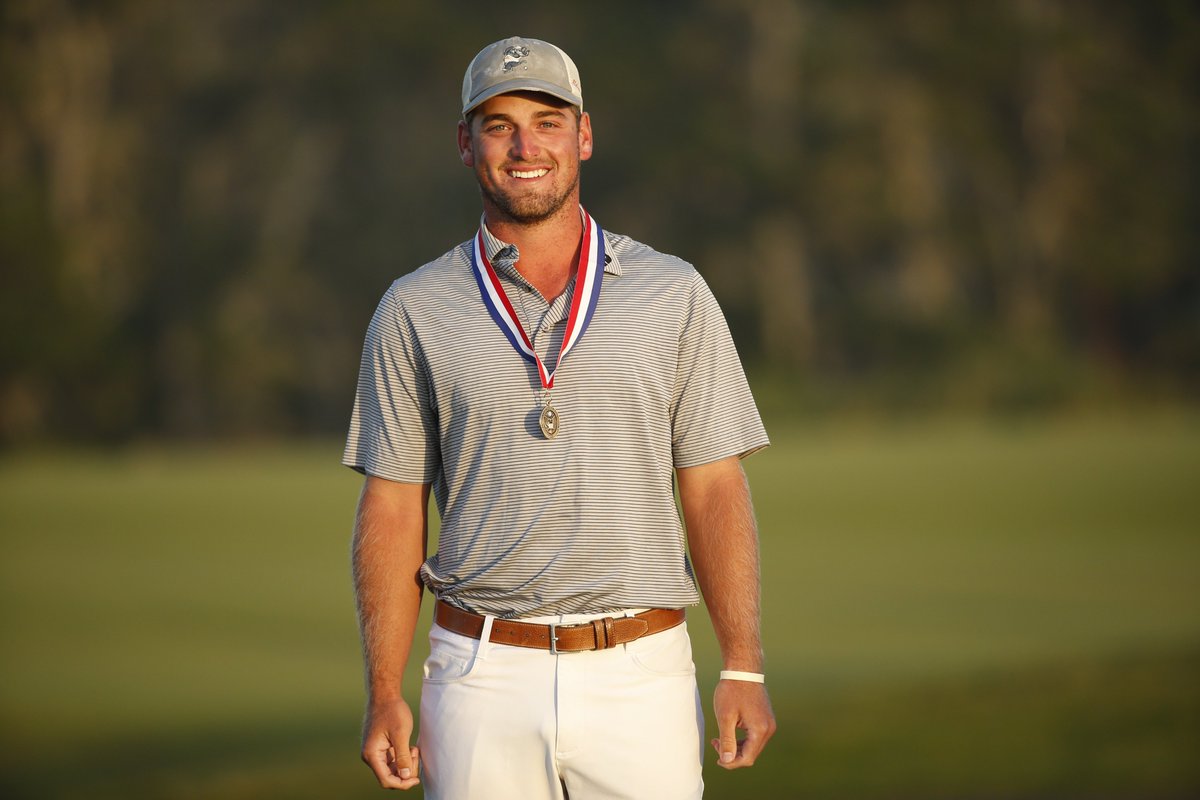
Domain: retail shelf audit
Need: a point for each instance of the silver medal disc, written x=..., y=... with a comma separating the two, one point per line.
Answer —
x=549, y=421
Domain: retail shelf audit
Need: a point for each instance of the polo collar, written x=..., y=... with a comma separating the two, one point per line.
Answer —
x=504, y=255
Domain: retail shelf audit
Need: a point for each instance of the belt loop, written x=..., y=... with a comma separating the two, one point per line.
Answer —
x=600, y=634
x=485, y=637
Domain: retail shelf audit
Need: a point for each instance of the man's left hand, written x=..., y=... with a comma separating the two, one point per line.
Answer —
x=745, y=706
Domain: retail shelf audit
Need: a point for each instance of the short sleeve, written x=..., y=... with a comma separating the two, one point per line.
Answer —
x=393, y=432
x=713, y=415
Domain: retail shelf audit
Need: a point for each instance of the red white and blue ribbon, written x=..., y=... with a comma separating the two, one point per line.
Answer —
x=588, y=276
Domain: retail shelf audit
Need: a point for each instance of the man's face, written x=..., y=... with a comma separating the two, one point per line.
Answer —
x=525, y=148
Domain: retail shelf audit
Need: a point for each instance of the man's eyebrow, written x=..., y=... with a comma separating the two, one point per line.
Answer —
x=501, y=117
x=493, y=118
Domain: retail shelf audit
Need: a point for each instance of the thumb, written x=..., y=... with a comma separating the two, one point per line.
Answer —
x=726, y=745
x=406, y=760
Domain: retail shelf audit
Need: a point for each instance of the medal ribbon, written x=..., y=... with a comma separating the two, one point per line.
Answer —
x=588, y=276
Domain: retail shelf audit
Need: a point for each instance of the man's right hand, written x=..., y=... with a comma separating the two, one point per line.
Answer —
x=387, y=729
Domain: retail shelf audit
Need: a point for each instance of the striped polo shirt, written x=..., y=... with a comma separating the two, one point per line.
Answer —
x=582, y=523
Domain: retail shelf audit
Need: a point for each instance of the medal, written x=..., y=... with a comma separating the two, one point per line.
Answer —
x=588, y=276
x=548, y=421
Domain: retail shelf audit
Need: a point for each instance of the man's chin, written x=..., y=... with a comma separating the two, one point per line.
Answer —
x=531, y=213
x=530, y=208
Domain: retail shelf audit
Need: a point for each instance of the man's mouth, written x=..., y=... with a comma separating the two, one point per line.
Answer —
x=527, y=173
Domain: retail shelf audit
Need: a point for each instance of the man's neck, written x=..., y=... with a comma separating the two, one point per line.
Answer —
x=549, y=250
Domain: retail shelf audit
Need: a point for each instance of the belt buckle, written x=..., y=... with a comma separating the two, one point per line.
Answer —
x=553, y=638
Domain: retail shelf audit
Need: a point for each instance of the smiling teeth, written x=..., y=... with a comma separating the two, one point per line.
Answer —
x=533, y=173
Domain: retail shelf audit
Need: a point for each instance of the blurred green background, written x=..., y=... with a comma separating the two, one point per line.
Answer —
x=956, y=244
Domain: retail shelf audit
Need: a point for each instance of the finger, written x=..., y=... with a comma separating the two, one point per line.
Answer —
x=380, y=760
x=749, y=748
x=414, y=772
x=758, y=732
x=389, y=771
x=415, y=757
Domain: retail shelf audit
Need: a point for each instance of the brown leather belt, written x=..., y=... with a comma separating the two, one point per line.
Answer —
x=599, y=634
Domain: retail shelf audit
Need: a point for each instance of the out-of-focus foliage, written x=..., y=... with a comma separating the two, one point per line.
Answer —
x=991, y=205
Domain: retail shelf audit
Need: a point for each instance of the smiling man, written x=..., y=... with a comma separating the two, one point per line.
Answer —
x=527, y=172
x=551, y=383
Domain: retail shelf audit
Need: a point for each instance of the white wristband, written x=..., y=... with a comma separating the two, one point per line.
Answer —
x=734, y=675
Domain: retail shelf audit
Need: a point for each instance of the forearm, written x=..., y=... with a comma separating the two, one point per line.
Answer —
x=723, y=539
x=388, y=550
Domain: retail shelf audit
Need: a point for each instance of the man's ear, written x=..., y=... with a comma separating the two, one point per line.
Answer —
x=465, y=152
x=585, y=136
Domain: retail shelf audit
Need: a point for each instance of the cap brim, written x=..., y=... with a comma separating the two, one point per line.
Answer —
x=523, y=85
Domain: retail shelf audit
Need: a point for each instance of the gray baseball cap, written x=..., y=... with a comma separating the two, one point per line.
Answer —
x=519, y=64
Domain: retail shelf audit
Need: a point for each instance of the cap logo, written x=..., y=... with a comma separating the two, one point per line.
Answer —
x=513, y=57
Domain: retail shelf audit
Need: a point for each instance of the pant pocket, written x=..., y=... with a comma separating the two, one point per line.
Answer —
x=452, y=656
x=663, y=654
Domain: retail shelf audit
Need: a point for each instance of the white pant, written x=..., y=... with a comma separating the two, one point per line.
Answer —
x=501, y=722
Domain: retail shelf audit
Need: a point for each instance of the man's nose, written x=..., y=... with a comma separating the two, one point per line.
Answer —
x=524, y=146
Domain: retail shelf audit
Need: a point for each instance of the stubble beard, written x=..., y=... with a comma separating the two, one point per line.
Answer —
x=532, y=208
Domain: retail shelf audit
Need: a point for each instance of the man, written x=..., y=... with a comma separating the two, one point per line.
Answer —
x=549, y=381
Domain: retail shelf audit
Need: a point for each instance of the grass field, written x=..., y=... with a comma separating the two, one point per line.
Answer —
x=952, y=610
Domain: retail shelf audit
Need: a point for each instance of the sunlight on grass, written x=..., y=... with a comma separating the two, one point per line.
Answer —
x=949, y=609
